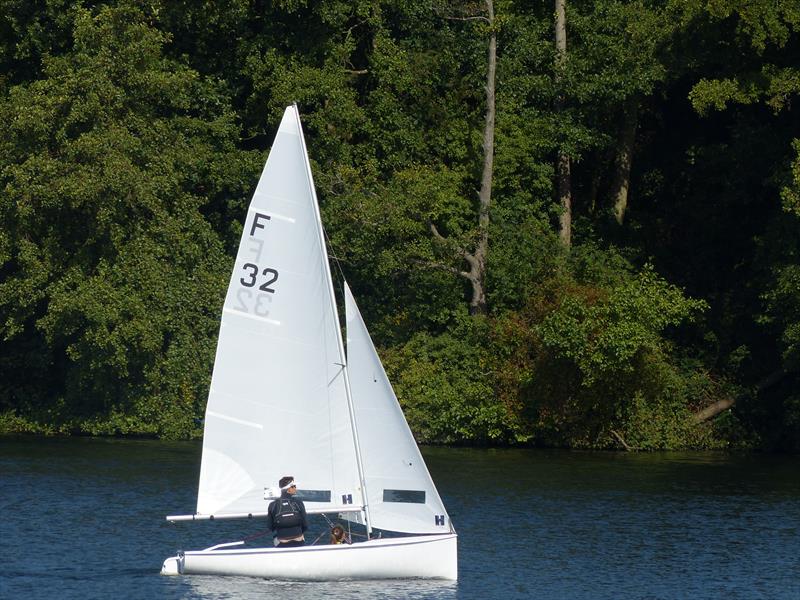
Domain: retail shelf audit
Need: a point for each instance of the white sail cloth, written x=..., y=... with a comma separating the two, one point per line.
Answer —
x=400, y=492
x=278, y=402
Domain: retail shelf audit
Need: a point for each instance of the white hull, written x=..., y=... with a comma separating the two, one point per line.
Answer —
x=425, y=557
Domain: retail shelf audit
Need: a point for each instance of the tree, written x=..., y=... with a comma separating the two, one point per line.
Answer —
x=111, y=274
x=476, y=259
x=564, y=183
x=731, y=158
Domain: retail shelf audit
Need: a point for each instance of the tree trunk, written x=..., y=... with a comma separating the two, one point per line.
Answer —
x=476, y=259
x=709, y=412
x=622, y=168
x=720, y=406
x=477, y=305
x=565, y=199
x=563, y=175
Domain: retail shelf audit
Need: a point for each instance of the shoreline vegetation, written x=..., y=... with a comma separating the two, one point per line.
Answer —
x=571, y=225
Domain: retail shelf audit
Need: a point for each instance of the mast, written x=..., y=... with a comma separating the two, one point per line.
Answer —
x=340, y=343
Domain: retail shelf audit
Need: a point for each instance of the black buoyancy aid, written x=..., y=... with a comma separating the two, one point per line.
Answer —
x=287, y=515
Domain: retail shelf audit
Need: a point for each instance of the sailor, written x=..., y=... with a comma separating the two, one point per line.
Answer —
x=338, y=536
x=287, y=516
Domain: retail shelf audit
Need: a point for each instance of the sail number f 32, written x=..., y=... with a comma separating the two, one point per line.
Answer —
x=257, y=282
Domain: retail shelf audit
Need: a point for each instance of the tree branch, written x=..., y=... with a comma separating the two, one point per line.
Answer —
x=622, y=441
x=435, y=231
x=709, y=412
x=441, y=267
x=475, y=18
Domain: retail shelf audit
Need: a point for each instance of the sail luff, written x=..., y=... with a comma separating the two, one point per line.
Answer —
x=335, y=310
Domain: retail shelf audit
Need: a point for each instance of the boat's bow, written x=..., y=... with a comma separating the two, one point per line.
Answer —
x=172, y=566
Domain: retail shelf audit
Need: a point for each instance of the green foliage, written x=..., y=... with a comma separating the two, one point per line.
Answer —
x=764, y=74
x=790, y=194
x=134, y=133
x=763, y=25
x=774, y=85
x=603, y=331
x=759, y=22
x=104, y=240
x=783, y=311
x=588, y=360
x=445, y=386
x=658, y=415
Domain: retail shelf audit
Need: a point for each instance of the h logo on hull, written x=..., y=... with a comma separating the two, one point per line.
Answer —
x=440, y=520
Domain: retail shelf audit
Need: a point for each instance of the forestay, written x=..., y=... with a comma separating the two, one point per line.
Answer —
x=401, y=493
x=277, y=403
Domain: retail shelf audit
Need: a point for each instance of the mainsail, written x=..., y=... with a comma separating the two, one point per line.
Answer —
x=278, y=399
x=401, y=493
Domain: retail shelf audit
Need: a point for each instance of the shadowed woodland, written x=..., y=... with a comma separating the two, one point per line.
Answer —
x=572, y=223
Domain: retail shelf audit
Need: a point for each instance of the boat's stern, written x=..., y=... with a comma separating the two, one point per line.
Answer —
x=172, y=566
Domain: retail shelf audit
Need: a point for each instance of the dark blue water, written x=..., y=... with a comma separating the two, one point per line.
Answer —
x=85, y=519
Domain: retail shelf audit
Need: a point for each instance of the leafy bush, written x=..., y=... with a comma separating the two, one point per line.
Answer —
x=445, y=385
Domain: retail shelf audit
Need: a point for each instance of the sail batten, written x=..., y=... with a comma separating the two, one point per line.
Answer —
x=234, y=420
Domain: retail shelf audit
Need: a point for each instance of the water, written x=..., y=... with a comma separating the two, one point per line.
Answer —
x=84, y=518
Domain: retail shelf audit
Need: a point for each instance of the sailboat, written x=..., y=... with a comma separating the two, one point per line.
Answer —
x=286, y=399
